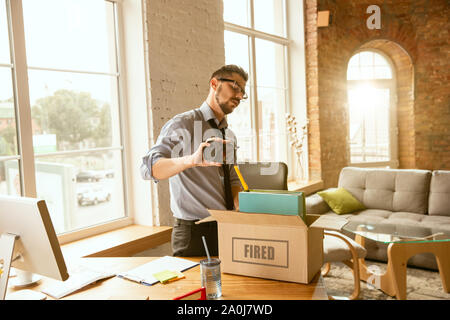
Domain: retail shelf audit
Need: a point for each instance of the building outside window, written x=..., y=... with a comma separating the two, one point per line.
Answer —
x=372, y=116
x=62, y=140
x=256, y=39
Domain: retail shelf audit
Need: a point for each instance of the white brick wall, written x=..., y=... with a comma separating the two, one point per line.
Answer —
x=184, y=45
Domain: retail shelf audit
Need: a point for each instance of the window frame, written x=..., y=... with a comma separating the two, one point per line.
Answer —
x=25, y=155
x=390, y=84
x=252, y=35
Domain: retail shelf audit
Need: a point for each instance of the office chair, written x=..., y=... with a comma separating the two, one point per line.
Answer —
x=265, y=175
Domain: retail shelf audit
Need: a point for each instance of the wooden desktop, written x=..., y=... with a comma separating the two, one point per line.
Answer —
x=234, y=287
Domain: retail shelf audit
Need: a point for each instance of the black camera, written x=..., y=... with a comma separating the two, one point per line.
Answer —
x=220, y=152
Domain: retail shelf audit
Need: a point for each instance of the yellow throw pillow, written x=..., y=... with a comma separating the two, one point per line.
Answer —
x=341, y=201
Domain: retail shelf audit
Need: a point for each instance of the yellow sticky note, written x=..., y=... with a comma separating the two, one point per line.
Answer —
x=165, y=275
x=179, y=276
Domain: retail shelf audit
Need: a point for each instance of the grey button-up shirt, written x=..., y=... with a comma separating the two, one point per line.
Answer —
x=197, y=189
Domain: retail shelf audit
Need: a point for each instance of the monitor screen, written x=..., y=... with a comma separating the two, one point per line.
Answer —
x=36, y=248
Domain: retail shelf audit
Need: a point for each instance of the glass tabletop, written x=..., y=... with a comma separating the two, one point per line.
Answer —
x=389, y=233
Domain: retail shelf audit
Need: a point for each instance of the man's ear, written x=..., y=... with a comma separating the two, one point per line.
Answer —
x=214, y=83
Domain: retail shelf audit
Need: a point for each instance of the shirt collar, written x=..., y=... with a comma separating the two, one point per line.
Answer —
x=208, y=114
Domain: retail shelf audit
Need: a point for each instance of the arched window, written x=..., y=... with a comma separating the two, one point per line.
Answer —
x=371, y=102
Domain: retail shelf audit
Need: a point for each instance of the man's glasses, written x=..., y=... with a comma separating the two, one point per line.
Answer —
x=236, y=87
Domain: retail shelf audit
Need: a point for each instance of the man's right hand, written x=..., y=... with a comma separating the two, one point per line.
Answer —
x=165, y=168
x=197, y=159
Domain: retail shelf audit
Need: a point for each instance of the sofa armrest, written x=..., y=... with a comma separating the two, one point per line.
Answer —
x=316, y=205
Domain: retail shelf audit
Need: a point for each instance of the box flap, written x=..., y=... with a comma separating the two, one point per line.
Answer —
x=329, y=222
x=254, y=218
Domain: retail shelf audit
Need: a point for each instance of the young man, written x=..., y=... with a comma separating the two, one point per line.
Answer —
x=198, y=183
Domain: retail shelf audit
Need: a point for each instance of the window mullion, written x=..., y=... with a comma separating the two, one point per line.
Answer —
x=22, y=100
x=118, y=20
x=252, y=14
x=254, y=91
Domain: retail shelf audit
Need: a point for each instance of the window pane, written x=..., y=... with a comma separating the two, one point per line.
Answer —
x=382, y=72
x=369, y=124
x=354, y=61
x=8, y=137
x=236, y=11
x=368, y=65
x=81, y=190
x=5, y=56
x=236, y=50
x=240, y=120
x=70, y=34
x=366, y=58
x=379, y=60
x=269, y=16
x=353, y=73
x=9, y=178
x=270, y=75
x=270, y=69
x=240, y=123
x=73, y=111
x=271, y=123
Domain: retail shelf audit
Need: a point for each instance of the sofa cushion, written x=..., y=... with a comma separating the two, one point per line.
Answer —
x=341, y=201
x=388, y=189
x=439, y=200
x=407, y=219
x=316, y=205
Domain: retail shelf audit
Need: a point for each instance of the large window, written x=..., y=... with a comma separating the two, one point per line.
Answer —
x=60, y=109
x=255, y=38
x=371, y=101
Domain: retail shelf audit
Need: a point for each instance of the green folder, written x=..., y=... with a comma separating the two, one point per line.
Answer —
x=273, y=201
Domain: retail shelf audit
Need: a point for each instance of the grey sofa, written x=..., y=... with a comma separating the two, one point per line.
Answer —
x=394, y=196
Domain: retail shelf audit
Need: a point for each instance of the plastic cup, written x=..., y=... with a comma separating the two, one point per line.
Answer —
x=211, y=278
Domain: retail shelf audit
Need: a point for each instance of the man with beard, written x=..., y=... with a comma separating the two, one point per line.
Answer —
x=196, y=182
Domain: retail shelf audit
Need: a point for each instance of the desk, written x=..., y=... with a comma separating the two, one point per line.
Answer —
x=233, y=287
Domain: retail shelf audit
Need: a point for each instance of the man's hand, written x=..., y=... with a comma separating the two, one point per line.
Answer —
x=165, y=168
x=197, y=159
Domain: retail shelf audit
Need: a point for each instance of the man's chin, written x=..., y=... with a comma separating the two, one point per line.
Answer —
x=227, y=109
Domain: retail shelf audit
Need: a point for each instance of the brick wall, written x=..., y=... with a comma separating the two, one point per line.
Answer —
x=184, y=45
x=312, y=90
x=419, y=44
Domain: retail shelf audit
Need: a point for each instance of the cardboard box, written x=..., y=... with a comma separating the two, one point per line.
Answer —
x=280, y=247
x=273, y=201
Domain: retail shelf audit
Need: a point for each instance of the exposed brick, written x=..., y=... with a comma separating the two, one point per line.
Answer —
x=415, y=35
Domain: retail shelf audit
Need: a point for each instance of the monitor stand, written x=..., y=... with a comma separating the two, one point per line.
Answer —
x=23, y=279
x=7, y=241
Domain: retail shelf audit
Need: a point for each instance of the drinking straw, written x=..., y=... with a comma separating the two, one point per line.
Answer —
x=206, y=248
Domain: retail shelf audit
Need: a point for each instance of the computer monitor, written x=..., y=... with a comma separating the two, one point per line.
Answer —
x=28, y=241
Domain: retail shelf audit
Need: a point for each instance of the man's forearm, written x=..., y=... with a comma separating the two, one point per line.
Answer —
x=165, y=168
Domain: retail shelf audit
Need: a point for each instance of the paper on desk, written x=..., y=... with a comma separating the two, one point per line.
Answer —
x=144, y=273
x=79, y=277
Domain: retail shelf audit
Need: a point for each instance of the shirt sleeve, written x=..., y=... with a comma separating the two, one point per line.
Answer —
x=168, y=145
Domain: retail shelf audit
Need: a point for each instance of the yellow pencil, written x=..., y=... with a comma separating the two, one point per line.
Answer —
x=236, y=168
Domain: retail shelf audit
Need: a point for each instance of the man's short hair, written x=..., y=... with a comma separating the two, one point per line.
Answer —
x=227, y=70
